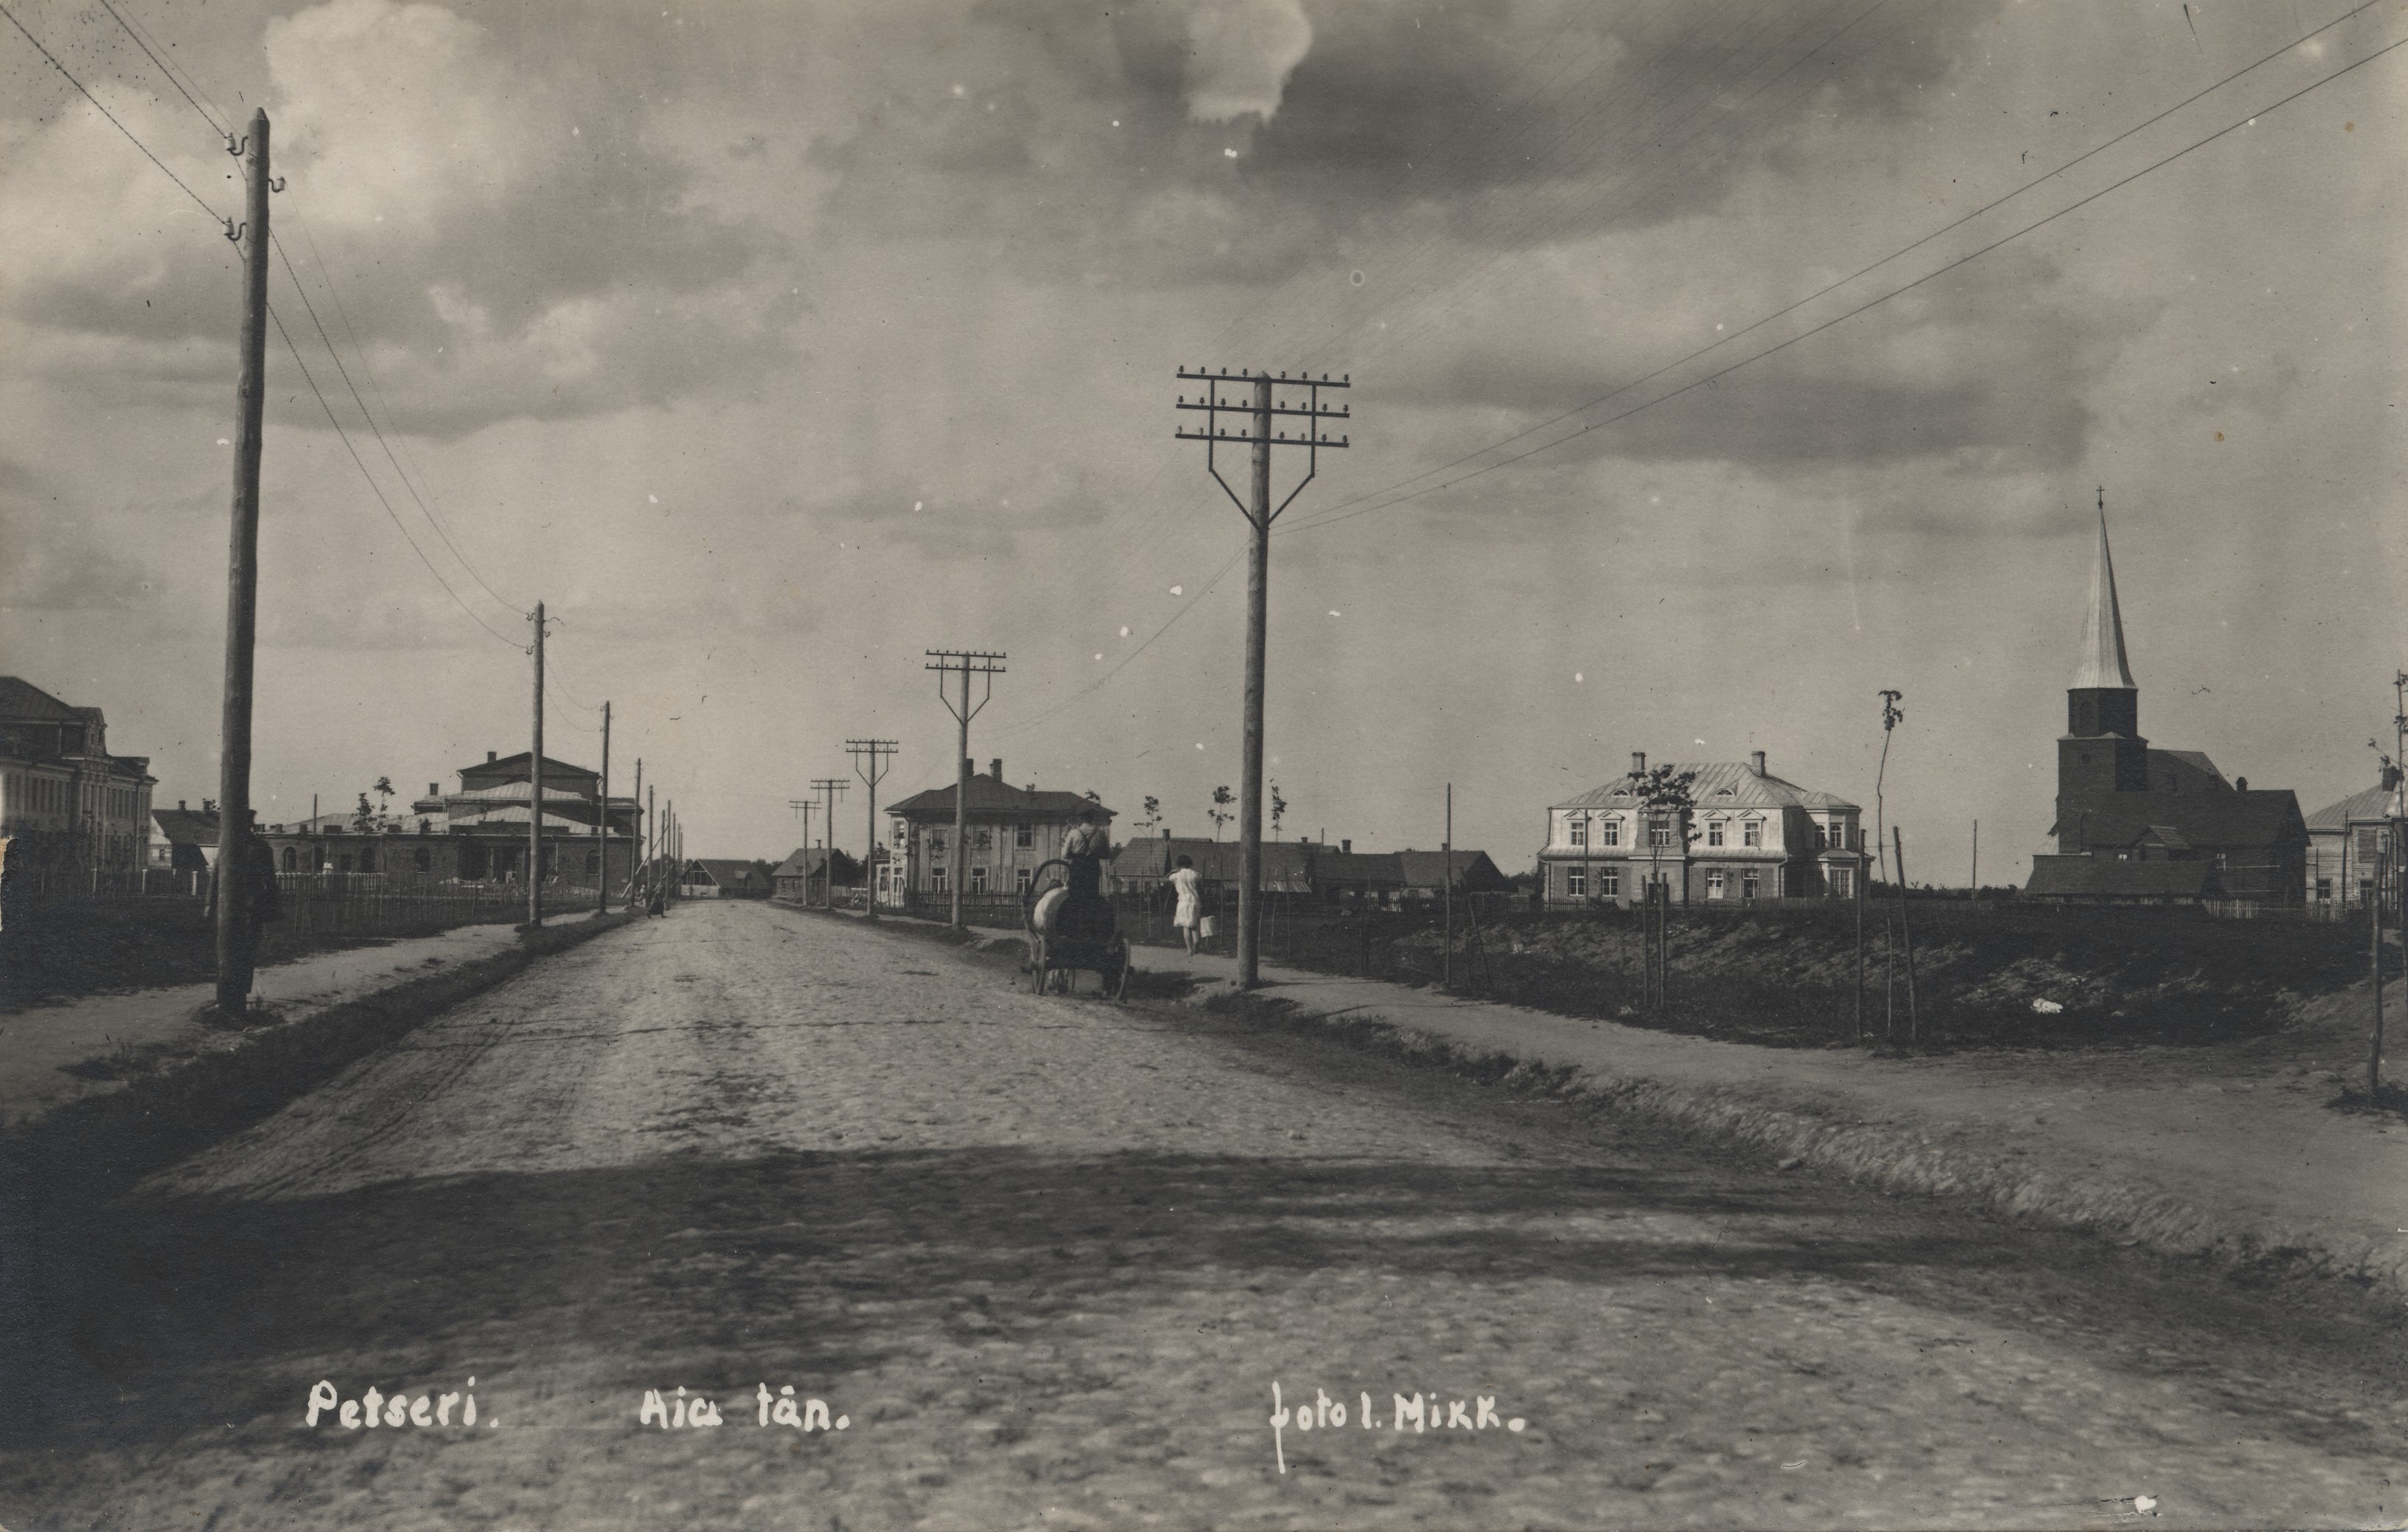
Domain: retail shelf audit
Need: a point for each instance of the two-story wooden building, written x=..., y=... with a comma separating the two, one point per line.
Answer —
x=1011, y=831
x=1748, y=836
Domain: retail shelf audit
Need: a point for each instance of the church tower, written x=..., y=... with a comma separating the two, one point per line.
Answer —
x=2102, y=752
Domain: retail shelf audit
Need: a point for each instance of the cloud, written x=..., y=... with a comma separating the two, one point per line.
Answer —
x=506, y=235
x=1243, y=51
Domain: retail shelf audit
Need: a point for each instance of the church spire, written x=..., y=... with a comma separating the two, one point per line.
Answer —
x=2102, y=666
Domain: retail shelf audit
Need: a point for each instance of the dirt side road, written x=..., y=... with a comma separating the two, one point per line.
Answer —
x=1045, y=1259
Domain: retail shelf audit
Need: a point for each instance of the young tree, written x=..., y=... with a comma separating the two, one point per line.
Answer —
x=363, y=817
x=1665, y=795
x=1220, y=812
x=383, y=790
x=1279, y=808
x=1153, y=815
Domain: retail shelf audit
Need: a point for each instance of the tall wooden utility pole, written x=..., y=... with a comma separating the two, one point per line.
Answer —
x=635, y=849
x=968, y=663
x=602, y=823
x=237, y=922
x=830, y=787
x=1256, y=433
x=1446, y=875
x=869, y=758
x=652, y=847
x=534, y=789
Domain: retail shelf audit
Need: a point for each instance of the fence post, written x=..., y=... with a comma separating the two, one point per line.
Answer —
x=1914, y=1015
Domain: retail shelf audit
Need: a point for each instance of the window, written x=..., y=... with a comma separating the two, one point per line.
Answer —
x=1026, y=876
x=1751, y=834
x=902, y=834
x=291, y=861
x=1611, y=833
x=367, y=860
x=936, y=845
x=1714, y=832
x=1576, y=883
x=937, y=872
x=1822, y=837
x=424, y=860
x=1843, y=882
x=592, y=863
x=2368, y=842
x=1750, y=884
x=2323, y=888
x=1024, y=835
x=1609, y=881
x=978, y=880
x=1715, y=884
x=1659, y=832
x=1579, y=829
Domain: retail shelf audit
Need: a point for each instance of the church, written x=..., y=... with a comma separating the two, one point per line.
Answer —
x=2141, y=825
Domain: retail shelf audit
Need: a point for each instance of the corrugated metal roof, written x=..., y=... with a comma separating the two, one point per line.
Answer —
x=22, y=699
x=511, y=814
x=988, y=796
x=1720, y=784
x=2376, y=803
x=515, y=792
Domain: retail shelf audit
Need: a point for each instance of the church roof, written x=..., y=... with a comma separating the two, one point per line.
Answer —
x=2101, y=666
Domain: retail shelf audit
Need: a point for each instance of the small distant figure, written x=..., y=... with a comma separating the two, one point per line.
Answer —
x=1189, y=915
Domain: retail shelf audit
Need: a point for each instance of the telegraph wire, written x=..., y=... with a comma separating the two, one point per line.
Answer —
x=112, y=115
x=378, y=490
x=333, y=293
x=1331, y=520
x=1844, y=281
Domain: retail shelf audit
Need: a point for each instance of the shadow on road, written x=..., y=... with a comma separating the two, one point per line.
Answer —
x=814, y=1265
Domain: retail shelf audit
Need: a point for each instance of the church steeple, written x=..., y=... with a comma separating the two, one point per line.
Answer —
x=2102, y=666
x=2101, y=752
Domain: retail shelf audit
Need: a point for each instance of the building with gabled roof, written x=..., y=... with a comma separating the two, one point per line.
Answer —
x=72, y=813
x=1748, y=836
x=2346, y=841
x=1010, y=832
x=725, y=877
x=2120, y=802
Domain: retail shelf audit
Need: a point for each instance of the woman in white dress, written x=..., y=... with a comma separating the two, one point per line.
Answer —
x=1184, y=882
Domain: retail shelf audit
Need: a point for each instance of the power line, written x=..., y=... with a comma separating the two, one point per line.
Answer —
x=1723, y=372
x=345, y=438
x=1844, y=281
x=112, y=115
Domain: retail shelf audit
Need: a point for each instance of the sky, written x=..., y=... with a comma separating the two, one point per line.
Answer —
x=1715, y=365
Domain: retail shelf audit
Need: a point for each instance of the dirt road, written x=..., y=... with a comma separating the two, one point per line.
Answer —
x=1043, y=1261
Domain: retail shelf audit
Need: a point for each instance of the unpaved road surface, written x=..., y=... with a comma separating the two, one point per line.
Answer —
x=1045, y=1258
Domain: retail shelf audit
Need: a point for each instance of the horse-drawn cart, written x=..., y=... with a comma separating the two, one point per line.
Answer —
x=1069, y=929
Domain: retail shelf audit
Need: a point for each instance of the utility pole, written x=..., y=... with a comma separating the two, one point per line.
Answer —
x=1976, y=876
x=636, y=853
x=602, y=823
x=1254, y=431
x=237, y=925
x=1446, y=887
x=652, y=846
x=534, y=789
x=1892, y=715
x=829, y=787
x=1906, y=931
x=869, y=758
x=968, y=663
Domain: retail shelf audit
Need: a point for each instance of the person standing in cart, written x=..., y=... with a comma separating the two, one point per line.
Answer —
x=1189, y=915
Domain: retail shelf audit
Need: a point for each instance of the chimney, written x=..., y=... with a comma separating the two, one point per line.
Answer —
x=969, y=767
x=1346, y=848
x=2241, y=784
x=434, y=790
x=1166, y=832
x=179, y=806
x=1638, y=762
x=995, y=768
x=1756, y=759
x=489, y=757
